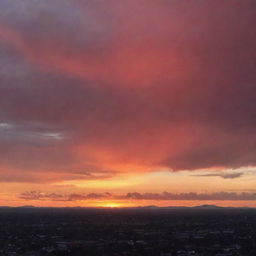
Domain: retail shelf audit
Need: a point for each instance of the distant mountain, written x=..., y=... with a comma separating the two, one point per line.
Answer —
x=26, y=206
x=147, y=207
x=150, y=207
x=208, y=206
x=154, y=207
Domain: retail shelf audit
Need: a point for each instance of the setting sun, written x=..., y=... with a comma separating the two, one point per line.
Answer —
x=111, y=205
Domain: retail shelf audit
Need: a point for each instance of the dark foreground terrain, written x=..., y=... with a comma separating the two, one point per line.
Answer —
x=145, y=231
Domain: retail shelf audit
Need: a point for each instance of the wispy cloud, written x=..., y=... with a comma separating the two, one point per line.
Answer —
x=223, y=175
x=28, y=133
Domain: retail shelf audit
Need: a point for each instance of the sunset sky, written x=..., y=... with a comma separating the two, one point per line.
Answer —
x=127, y=103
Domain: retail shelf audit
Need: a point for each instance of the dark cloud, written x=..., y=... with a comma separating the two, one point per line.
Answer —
x=36, y=195
x=88, y=85
x=222, y=175
x=190, y=196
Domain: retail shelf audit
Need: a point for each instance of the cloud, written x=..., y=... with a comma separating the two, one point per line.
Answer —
x=37, y=195
x=222, y=175
x=40, y=176
x=190, y=196
x=126, y=87
x=223, y=196
x=29, y=133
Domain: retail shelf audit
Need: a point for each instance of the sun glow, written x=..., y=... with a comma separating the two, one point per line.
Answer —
x=111, y=205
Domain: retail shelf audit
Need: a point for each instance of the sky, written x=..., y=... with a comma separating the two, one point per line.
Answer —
x=127, y=103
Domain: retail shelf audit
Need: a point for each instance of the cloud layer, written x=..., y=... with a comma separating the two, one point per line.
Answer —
x=223, y=196
x=104, y=86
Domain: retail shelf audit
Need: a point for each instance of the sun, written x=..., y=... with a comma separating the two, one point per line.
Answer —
x=111, y=205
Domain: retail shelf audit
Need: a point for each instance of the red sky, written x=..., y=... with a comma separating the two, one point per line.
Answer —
x=123, y=97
